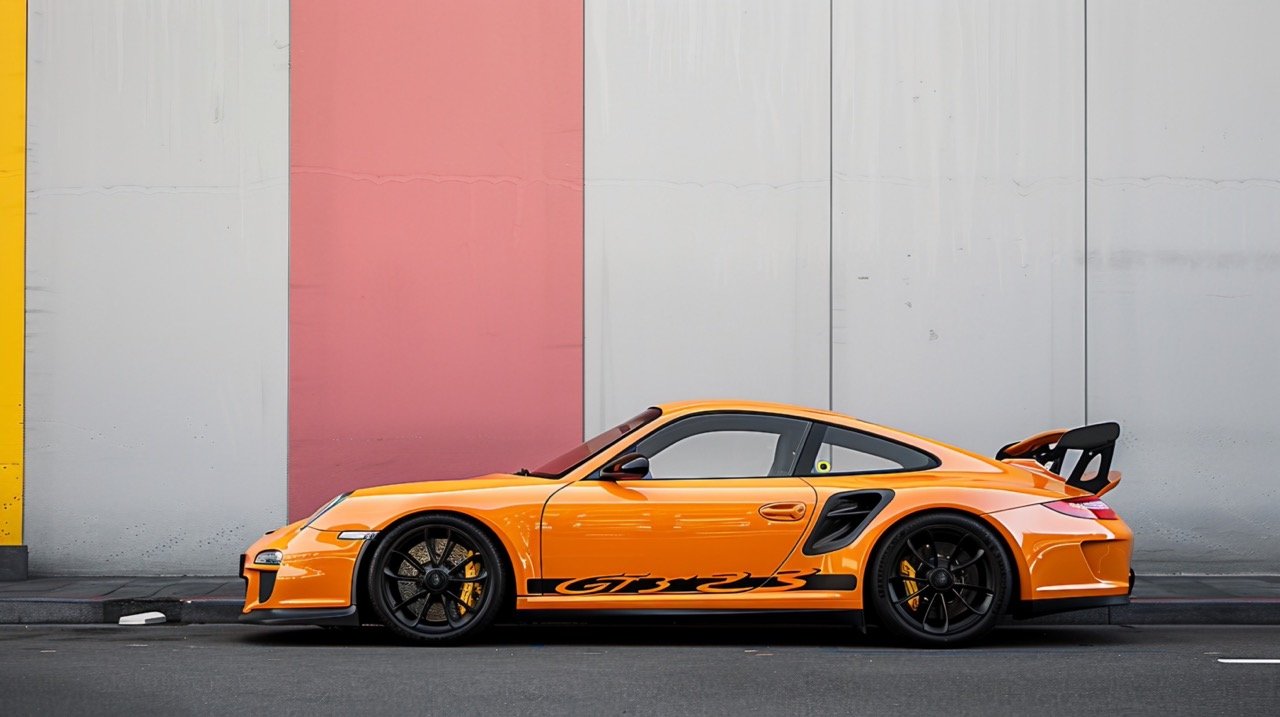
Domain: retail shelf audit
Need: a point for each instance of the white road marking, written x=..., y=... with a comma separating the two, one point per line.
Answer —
x=1248, y=661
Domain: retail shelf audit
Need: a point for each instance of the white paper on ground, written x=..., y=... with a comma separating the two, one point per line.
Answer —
x=144, y=618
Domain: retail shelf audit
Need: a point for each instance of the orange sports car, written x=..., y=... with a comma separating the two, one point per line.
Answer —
x=712, y=507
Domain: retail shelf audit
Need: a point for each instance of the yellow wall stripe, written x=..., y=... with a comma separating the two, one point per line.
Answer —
x=13, y=144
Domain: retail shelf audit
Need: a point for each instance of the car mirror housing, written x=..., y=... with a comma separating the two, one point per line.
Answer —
x=631, y=466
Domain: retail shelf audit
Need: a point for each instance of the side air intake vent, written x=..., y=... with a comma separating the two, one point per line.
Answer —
x=266, y=584
x=843, y=518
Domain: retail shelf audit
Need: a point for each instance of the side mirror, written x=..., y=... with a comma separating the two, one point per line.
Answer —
x=631, y=466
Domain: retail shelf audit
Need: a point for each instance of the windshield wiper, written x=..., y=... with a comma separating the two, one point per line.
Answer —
x=523, y=472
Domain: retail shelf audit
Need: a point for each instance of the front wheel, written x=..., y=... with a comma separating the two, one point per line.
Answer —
x=941, y=579
x=437, y=579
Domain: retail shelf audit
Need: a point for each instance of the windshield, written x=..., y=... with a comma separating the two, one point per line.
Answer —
x=575, y=457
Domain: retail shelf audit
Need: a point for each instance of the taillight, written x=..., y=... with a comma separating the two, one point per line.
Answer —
x=1086, y=506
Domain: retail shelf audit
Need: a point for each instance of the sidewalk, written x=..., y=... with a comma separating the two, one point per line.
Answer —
x=1157, y=599
x=104, y=600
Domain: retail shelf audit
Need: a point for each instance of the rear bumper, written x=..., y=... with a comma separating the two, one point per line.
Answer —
x=1067, y=561
x=1036, y=608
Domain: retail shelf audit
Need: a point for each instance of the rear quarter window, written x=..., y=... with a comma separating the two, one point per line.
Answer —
x=844, y=451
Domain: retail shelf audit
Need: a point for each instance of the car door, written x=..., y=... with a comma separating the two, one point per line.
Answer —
x=719, y=513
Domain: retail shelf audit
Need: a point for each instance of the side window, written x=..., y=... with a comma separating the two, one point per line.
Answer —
x=725, y=445
x=845, y=451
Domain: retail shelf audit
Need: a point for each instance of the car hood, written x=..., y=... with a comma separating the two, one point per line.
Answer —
x=484, y=482
x=375, y=508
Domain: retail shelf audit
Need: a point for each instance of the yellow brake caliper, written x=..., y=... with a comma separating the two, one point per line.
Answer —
x=910, y=585
x=468, y=593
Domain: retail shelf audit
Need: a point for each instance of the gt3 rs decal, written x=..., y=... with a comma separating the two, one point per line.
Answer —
x=719, y=583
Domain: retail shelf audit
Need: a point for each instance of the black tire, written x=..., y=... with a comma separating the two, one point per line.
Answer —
x=437, y=579
x=940, y=580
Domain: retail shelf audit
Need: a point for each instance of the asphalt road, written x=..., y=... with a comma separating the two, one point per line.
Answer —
x=230, y=669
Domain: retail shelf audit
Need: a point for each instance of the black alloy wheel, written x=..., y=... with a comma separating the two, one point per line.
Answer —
x=941, y=579
x=437, y=579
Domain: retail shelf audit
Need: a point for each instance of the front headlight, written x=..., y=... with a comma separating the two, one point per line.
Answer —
x=326, y=507
x=269, y=557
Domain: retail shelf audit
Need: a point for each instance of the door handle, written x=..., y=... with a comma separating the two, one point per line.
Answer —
x=782, y=511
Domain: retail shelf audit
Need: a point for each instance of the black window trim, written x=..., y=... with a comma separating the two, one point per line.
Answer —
x=809, y=453
x=804, y=442
x=808, y=449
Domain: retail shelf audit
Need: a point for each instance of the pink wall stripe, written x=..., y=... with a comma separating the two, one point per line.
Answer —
x=435, y=240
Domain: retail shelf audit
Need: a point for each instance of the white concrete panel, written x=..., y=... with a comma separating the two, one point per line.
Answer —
x=959, y=218
x=1184, y=274
x=157, y=283
x=707, y=214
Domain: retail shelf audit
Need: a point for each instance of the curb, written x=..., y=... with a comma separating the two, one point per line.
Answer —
x=55, y=611
x=1171, y=611
x=1189, y=611
x=1142, y=611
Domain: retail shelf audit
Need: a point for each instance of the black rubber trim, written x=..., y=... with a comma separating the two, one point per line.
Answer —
x=357, y=570
x=841, y=510
x=1036, y=608
x=303, y=616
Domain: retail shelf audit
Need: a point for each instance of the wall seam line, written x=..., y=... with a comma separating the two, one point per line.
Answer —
x=582, y=424
x=1086, y=211
x=831, y=206
x=288, y=260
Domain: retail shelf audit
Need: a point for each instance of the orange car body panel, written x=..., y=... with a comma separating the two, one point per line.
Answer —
x=621, y=545
x=672, y=528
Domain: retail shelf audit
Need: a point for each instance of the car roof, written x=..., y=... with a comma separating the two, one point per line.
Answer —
x=952, y=457
x=731, y=404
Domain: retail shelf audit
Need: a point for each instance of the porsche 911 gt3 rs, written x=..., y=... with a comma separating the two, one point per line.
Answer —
x=706, y=507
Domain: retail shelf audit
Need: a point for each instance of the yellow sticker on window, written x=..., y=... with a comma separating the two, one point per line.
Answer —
x=824, y=466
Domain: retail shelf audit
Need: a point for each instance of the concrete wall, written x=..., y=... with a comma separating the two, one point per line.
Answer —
x=706, y=203
x=878, y=205
x=436, y=240
x=958, y=282
x=1184, y=274
x=961, y=305
x=157, y=280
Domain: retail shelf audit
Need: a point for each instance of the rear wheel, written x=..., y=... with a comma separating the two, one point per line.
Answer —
x=941, y=579
x=437, y=579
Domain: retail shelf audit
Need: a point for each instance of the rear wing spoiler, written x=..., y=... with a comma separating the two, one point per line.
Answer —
x=1050, y=449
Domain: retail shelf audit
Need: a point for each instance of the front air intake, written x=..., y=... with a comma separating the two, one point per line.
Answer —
x=843, y=518
x=266, y=585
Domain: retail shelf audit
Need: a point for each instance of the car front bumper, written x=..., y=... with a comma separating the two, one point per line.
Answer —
x=340, y=616
x=313, y=584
